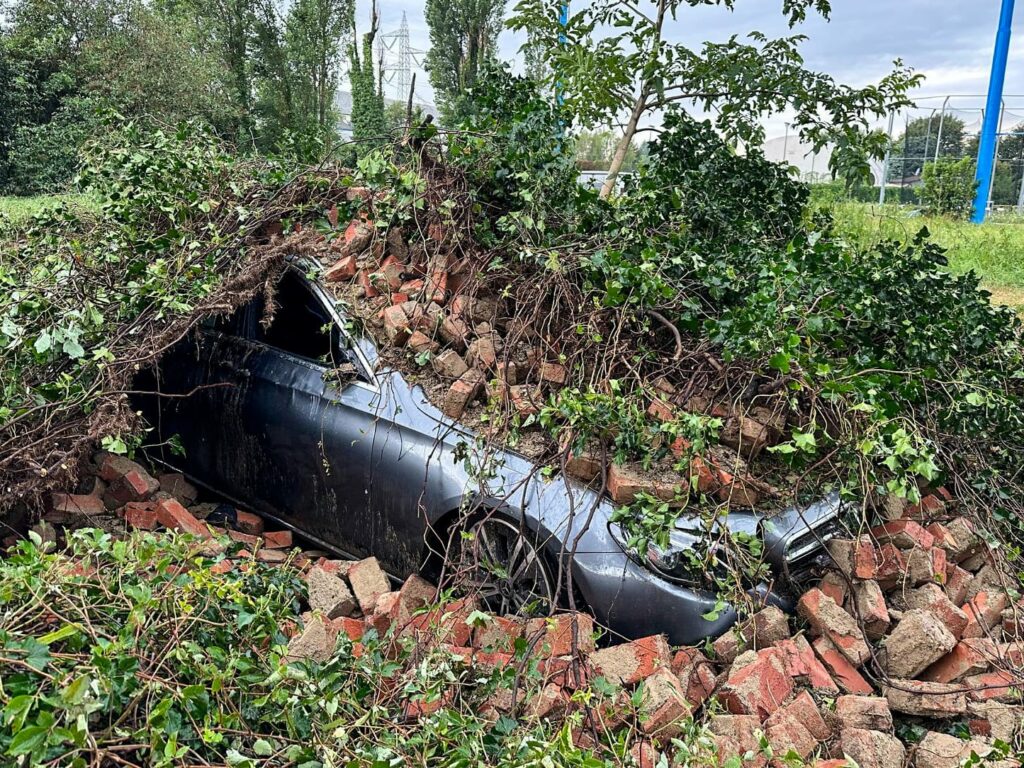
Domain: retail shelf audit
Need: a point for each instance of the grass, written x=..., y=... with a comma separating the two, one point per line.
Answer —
x=18, y=209
x=994, y=250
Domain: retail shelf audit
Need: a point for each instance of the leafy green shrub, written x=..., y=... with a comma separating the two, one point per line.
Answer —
x=949, y=187
x=135, y=648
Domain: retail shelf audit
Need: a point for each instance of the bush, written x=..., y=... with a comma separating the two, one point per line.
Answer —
x=949, y=187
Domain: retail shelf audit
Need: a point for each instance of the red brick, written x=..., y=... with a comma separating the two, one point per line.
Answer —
x=628, y=663
x=274, y=556
x=803, y=666
x=797, y=727
x=984, y=611
x=968, y=657
x=702, y=476
x=396, y=325
x=548, y=702
x=171, y=514
x=870, y=608
x=943, y=538
x=736, y=736
x=929, y=507
x=758, y=688
x=437, y=287
x=736, y=491
x=554, y=373
x=958, y=581
x=998, y=685
x=933, y=598
x=222, y=566
x=922, y=699
x=626, y=481
x=277, y=539
x=64, y=506
x=462, y=392
x=663, y=704
x=744, y=435
x=500, y=632
x=918, y=641
x=178, y=486
x=892, y=566
x=905, y=534
x=483, y=353
x=660, y=410
x=556, y=633
x=369, y=290
x=586, y=465
x=449, y=364
x=141, y=515
x=872, y=749
x=446, y=624
x=248, y=523
x=368, y=582
x=855, y=558
x=112, y=467
x=695, y=673
x=419, y=343
x=842, y=671
x=836, y=586
x=831, y=621
x=343, y=269
x=868, y=712
x=412, y=287
x=134, y=485
x=353, y=628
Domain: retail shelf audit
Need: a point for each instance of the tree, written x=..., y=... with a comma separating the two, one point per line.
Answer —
x=463, y=34
x=912, y=149
x=313, y=32
x=617, y=64
x=368, y=119
x=949, y=187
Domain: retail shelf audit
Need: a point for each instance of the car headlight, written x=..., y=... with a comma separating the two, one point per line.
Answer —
x=686, y=560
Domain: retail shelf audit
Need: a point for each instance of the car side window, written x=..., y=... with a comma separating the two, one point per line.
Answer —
x=301, y=325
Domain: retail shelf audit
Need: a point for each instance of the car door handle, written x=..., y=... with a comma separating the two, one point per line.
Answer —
x=227, y=365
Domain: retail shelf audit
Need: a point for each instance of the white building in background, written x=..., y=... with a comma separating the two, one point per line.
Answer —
x=811, y=166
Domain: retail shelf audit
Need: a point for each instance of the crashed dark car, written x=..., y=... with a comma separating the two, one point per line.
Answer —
x=364, y=464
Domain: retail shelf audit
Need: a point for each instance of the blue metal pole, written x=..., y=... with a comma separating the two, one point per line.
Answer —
x=987, y=145
x=563, y=20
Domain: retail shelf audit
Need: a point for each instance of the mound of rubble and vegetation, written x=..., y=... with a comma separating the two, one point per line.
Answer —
x=697, y=343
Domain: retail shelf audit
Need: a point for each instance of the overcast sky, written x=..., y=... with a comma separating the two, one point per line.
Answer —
x=949, y=41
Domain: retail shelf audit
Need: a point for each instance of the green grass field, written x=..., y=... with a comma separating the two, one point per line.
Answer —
x=994, y=250
x=17, y=209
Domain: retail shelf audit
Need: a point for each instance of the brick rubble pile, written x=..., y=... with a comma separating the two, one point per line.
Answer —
x=914, y=623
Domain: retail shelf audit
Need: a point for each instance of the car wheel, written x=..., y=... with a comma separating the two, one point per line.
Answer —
x=500, y=565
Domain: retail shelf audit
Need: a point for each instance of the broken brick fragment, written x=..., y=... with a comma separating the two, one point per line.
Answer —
x=831, y=621
x=172, y=515
x=968, y=657
x=918, y=641
x=855, y=558
x=368, y=582
x=758, y=688
x=247, y=522
x=554, y=635
x=277, y=540
x=924, y=699
x=804, y=666
x=841, y=670
x=984, y=611
x=628, y=663
x=140, y=515
x=134, y=485
x=343, y=269
x=868, y=712
x=905, y=534
x=462, y=392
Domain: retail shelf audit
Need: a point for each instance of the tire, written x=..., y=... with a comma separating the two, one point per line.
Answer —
x=498, y=562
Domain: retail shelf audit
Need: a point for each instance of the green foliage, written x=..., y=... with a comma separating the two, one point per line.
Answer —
x=463, y=36
x=917, y=145
x=369, y=123
x=949, y=188
x=136, y=648
x=614, y=62
x=81, y=289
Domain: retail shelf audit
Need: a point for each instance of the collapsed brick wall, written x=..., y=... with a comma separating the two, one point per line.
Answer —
x=913, y=623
